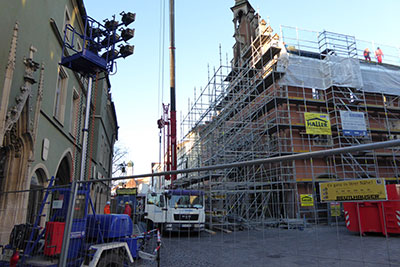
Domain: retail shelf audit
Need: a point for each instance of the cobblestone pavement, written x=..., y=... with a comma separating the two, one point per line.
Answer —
x=314, y=246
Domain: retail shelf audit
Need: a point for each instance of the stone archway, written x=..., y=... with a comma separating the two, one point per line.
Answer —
x=35, y=198
x=63, y=174
x=16, y=151
x=17, y=138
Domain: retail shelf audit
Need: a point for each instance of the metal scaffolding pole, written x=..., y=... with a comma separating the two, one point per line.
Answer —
x=75, y=185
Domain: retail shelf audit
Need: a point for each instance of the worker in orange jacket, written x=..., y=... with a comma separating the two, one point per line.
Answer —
x=367, y=54
x=128, y=209
x=107, y=208
x=379, y=55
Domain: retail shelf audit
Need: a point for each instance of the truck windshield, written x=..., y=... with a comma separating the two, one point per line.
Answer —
x=185, y=201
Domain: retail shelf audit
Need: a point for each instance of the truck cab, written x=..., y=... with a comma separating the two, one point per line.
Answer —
x=176, y=210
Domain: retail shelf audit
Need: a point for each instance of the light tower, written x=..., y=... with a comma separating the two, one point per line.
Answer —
x=98, y=54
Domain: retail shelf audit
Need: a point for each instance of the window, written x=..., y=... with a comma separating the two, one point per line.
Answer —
x=317, y=94
x=61, y=93
x=94, y=171
x=67, y=20
x=106, y=165
x=106, y=153
x=156, y=199
x=151, y=199
x=105, y=86
x=394, y=125
x=185, y=201
x=35, y=196
x=78, y=45
x=102, y=151
x=322, y=140
x=74, y=112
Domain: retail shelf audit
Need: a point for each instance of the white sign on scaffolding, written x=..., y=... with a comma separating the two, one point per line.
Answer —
x=353, y=123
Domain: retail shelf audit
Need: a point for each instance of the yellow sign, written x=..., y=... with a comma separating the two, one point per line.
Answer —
x=306, y=200
x=317, y=123
x=353, y=190
x=127, y=191
x=335, y=209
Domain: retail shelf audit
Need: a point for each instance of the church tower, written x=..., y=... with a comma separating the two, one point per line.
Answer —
x=245, y=21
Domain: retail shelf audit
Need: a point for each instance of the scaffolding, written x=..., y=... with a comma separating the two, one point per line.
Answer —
x=255, y=108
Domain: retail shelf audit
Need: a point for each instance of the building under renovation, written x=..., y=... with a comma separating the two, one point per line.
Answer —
x=287, y=93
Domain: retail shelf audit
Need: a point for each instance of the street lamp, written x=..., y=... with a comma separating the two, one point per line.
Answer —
x=123, y=167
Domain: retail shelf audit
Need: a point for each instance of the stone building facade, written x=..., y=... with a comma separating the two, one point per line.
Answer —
x=42, y=106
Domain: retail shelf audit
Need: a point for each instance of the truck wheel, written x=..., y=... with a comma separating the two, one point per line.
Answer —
x=110, y=259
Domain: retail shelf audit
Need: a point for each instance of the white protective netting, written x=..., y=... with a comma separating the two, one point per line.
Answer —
x=316, y=73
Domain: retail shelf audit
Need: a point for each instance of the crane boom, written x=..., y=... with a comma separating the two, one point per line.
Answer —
x=170, y=139
x=172, y=87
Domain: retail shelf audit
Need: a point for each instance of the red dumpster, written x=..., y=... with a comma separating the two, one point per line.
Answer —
x=377, y=216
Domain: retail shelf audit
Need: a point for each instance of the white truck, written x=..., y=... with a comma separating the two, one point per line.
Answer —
x=175, y=210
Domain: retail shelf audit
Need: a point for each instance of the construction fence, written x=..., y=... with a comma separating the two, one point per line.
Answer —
x=252, y=222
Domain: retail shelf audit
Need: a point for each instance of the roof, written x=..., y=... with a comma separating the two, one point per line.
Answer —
x=239, y=3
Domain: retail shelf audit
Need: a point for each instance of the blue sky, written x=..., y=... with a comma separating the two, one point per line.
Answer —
x=200, y=27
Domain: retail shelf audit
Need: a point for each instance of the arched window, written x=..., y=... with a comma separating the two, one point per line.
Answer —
x=36, y=194
x=63, y=176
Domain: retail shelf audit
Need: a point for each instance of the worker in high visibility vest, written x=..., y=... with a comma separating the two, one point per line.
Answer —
x=367, y=54
x=107, y=208
x=379, y=55
x=128, y=209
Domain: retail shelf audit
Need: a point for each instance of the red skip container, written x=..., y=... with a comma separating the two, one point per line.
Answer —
x=377, y=216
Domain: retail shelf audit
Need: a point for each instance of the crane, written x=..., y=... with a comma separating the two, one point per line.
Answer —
x=169, y=121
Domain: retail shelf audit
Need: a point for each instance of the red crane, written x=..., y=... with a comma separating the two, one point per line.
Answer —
x=170, y=159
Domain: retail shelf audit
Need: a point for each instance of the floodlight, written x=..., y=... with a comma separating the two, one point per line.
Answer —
x=95, y=32
x=94, y=47
x=127, y=34
x=111, y=54
x=110, y=40
x=160, y=123
x=128, y=18
x=126, y=50
x=111, y=25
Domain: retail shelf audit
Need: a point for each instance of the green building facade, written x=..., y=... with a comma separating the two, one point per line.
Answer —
x=42, y=107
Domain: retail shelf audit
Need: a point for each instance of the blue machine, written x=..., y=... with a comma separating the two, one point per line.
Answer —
x=92, y=237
